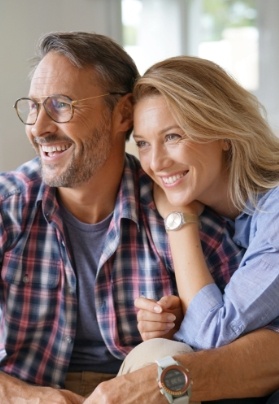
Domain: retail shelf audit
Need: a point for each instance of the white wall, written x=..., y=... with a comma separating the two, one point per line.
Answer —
x=269, y=59
x=170, y=27
x=21, y=25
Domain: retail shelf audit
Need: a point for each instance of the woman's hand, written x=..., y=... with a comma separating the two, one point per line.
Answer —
x=158, y=319
x=165, y=207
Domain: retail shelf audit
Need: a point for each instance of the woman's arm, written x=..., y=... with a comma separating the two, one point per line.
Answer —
x=190, y=268
x=214, y=317
x=191, y=271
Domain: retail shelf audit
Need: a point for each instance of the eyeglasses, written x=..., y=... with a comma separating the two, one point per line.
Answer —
x=60, y=108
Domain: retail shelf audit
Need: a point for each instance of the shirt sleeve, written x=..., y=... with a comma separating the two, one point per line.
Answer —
x=251, y=299
x=274, y=325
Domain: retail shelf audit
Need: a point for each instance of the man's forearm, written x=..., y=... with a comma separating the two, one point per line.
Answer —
x=245, y=368
x=248, y=367
x=14, y=391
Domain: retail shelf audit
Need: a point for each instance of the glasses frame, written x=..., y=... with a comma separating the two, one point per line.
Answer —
x=72, y=103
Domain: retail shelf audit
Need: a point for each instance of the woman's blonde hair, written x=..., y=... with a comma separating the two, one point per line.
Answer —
x=209, y=105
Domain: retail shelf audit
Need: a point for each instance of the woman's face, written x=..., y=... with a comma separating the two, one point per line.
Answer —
x=186, y=170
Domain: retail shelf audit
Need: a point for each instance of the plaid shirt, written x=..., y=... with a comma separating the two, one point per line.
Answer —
x=38, y=301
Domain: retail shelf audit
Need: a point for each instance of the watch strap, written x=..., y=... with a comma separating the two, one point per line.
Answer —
x=162, y=364
x=180, y=400
x=190, y=218
x=166, y=361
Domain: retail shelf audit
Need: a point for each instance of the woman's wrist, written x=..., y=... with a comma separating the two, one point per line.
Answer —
x=176, y=220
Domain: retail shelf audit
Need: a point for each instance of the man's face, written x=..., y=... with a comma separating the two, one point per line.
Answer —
x=71, y=153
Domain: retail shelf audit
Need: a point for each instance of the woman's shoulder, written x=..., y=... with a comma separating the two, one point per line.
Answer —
x=269, y=199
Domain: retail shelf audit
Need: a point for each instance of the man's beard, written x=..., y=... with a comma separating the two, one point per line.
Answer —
x=82, y=167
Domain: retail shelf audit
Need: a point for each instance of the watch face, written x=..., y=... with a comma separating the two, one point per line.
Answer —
x=173, y=221
x=174, y=380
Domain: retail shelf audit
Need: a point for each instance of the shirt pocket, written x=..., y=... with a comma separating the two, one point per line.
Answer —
x=31, y=297
x=32, y=272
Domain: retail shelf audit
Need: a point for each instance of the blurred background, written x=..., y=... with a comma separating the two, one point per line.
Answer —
x=240, y=35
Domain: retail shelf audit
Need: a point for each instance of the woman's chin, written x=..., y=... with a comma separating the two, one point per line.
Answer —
x=178, y=200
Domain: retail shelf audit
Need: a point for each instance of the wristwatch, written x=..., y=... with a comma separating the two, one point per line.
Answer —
x=174, y=380
x=175, y=220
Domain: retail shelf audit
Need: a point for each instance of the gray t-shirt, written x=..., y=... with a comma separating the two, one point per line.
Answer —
x=86, y=243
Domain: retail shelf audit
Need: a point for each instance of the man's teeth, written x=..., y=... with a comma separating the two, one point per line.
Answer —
x=172, y=179
x=52, y=149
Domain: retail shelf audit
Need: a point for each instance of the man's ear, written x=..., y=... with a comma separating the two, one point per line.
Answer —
x=226, y=144
x=124, y=112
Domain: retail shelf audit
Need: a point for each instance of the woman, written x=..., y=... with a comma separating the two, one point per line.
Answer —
x=205, y=142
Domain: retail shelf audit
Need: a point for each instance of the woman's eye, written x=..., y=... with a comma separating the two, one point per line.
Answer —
x=172, y=136
x=141, y=144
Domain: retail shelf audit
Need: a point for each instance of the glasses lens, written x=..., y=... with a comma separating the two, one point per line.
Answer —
x=59, y=108
x=27, y=110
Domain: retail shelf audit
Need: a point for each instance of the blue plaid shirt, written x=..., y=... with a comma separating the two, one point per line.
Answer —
x=38, y=299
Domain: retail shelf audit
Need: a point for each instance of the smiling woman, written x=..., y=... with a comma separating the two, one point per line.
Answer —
x=203, y=140
x=175, y=162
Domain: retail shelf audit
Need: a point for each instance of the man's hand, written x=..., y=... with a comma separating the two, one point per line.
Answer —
x=134, y=388
x=158, y=319
x=15, y=391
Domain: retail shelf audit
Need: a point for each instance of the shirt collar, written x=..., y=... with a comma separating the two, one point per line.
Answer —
x=135, y=190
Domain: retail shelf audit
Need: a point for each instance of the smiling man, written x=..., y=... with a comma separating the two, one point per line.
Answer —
x=73, y=155
x=78, y=239
x=67, y=218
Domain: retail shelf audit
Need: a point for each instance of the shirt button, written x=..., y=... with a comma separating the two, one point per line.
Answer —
x=69, y=339
x=25, y=278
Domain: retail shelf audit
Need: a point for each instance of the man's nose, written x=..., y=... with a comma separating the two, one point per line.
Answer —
x=44, y=124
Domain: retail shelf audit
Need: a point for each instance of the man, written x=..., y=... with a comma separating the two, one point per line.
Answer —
x=80, y=237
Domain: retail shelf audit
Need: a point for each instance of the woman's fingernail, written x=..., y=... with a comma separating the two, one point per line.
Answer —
x=158, y=309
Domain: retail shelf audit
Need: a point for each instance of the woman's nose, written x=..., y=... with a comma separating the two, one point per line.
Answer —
x=159, y=159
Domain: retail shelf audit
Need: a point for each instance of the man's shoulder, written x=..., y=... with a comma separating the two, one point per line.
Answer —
x=133, y=165
x=26, y=176
x=142, y=183
x=132, y=162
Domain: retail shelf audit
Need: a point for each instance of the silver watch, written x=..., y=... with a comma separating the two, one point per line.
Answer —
x=174, y=380
x=175, y=220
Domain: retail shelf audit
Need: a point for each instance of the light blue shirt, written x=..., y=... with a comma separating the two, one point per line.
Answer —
x=251, y=298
